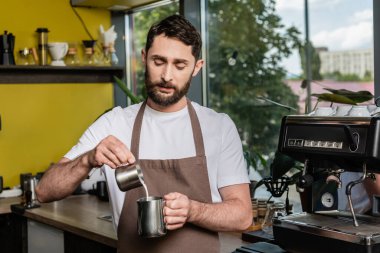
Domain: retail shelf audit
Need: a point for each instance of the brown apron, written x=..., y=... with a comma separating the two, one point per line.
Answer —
x=187, y=176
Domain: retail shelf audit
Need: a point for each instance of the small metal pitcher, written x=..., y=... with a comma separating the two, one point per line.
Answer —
x=129, y=176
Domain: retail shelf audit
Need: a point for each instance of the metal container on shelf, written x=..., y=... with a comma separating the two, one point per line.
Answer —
x=42, y=45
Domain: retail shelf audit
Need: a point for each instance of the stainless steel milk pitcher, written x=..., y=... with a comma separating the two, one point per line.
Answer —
x=150, y=221
x=129, y=176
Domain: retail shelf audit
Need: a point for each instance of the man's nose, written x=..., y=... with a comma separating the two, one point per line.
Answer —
x=167, y=73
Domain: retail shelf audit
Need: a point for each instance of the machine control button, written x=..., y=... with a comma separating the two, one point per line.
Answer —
x=299, y=143
x=314, y=143
x=338, y=145
x=291, y=142
x=295, y=143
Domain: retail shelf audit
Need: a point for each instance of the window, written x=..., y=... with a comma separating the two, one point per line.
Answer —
x=245, y=78
x=139, y=21
x=344, y=29
x=254, y=62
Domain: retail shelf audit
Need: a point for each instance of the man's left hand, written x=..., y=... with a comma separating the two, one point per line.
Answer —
x=176, y=210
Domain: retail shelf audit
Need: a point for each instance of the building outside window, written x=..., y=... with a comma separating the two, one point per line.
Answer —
x=342, y=34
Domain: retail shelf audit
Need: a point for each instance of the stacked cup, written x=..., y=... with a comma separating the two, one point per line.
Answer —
x=344, y=110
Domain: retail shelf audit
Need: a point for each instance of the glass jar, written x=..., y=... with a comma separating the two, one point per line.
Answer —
x=274, y=210
x=72, y=58
x=106, y=56
x=89, y=57
x=25, y=57
x=114, y=59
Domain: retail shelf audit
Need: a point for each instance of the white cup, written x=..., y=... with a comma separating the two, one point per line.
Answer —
x=359, y=111
x=371, y=108
x=376, y=112
x=323, y=111
x=342, y=110
x=57, y=51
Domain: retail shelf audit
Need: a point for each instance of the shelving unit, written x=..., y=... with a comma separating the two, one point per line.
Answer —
x=49, y=74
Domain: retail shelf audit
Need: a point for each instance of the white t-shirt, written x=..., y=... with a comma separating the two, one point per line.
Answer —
x=170, y=136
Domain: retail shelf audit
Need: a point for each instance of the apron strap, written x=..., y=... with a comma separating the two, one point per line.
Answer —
x=197, y=132
x=135, y=141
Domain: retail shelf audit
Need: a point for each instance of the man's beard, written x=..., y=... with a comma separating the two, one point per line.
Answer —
x=158, y=98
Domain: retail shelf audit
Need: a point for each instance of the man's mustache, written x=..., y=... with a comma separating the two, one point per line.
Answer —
x=163, y=85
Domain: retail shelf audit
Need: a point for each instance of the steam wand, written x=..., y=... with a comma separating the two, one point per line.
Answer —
x=348, y=192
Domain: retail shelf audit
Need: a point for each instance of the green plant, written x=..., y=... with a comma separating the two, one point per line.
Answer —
x=123, y=86
x=254, y=159
x=343, y=96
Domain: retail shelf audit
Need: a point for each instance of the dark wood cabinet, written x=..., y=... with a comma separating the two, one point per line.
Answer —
x=12, y=233
x=77, y=244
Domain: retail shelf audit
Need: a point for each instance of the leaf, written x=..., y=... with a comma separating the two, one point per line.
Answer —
x=281, y=164
x=295, y=176
x=260, y=183
x=254, y=158
x=356, y=96
x=123, y=87
x=335, y=98
x=276, y=103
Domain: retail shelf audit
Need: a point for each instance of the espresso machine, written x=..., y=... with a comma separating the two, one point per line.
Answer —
x=329, y=146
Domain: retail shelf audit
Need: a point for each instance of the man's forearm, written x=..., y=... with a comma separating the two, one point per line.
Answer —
x=234, y=213
x=62, y=179
x=231, y=215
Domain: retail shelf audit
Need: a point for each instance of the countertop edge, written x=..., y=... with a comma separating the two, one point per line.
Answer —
x=104, y=239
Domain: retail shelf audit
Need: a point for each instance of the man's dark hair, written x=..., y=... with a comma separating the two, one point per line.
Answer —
x=176, y=26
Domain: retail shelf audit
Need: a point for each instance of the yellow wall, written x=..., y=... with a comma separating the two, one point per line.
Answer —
x=40, y=122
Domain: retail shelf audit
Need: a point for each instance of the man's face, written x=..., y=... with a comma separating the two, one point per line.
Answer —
x=165, y=93
x=170, y=67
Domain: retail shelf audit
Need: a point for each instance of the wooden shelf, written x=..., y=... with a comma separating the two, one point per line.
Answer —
x=49, y=74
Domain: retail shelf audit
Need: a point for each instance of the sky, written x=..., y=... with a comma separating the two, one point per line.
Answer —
x=336, y=24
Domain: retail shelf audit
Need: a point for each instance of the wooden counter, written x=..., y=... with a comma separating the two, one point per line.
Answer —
x=5, y=204
x=79, y=215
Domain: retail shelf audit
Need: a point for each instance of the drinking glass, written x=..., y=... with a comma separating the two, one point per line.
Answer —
x=273, y=211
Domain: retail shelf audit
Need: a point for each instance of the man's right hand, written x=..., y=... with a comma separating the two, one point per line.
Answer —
x=61, y=179
x=110, y=151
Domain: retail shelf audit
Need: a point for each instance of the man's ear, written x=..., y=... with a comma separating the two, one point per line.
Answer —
x=143, y=56
x=198, y=66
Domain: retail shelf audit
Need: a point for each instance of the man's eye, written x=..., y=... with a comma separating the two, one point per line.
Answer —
x=158, y=62
x=180, y=66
